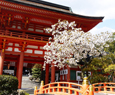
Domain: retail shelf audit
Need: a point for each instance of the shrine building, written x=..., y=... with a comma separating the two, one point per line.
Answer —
x=22, y=35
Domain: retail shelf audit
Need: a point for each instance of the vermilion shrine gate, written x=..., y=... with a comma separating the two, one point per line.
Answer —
x=22, y=34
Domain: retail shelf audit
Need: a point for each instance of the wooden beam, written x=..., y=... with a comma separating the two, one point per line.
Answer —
x=10, y=60
x=26, y=61
x=11, y=52
x=11, y=55
x=29, y=57
x=28, y=54
x=35, y=62
x=25, y=57
x=17, y=39
x=39, y=55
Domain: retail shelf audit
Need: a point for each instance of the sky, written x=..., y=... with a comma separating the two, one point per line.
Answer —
x=96, y=8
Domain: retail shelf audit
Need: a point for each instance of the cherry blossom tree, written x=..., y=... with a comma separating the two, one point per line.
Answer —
x=70, y=45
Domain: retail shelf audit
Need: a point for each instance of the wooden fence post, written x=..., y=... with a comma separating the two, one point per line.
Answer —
x=35, y=90
x=91, y=92
x=41, y=87
x=85, y=85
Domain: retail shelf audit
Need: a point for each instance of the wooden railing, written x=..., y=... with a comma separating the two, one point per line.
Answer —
x=22, y=35
x=68, y=88
x=60, y=88
x=104, y=87
x=64, y=88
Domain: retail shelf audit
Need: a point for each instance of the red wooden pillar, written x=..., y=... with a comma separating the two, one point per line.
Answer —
x=2, y=61
x=17, y=66
x=68, y=75
x=52, y=73
x=47, y=74
x=20, y=69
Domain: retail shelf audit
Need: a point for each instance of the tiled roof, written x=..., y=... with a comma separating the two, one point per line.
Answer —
x=42, y=4
x=50, y=4
x=51, y=7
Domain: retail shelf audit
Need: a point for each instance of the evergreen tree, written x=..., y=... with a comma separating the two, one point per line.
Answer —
x=36, y=71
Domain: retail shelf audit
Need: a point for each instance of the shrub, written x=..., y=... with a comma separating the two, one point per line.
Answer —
x=8, y=85
x=36, y=71
x=23, y=93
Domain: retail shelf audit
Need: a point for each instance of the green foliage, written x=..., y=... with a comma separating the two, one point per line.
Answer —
x=110, y=68
x=111, y=50
x=111, y=47
x=8, y=85
x=105, y=64
x=37, y=66
x=23, y=93
x=94, y=65
x=36, y=71
x=96, y=78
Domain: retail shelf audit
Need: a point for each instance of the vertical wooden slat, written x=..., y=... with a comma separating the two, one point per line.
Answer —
x=76, y=93
x=10, y=33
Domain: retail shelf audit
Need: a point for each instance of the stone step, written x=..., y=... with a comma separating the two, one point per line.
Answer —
x=26, y=83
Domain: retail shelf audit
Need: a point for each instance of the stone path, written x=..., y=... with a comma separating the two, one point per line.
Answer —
x=28, y=85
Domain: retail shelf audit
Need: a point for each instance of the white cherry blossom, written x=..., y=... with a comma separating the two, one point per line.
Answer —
x=68, y=40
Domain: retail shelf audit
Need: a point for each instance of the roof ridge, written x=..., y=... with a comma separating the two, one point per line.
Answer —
x=50, y=4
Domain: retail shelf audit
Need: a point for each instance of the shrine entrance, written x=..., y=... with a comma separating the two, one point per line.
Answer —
x=10, y=68
x=22, y=34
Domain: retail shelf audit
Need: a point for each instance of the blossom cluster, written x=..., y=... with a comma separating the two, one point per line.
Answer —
x=68, y=40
